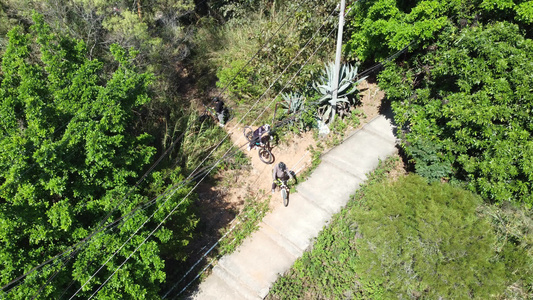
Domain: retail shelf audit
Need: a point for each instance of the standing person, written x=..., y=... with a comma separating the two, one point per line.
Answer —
x=257, y=135
x=280, y=172
x=219, y=109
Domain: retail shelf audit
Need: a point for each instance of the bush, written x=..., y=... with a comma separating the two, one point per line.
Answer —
x=278, y=38
x=409, y=239
x=514, y=231
x=466, y=110
x=421, y=240
x=239, y=80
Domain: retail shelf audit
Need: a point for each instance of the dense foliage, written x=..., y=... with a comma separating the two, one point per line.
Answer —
x=421, y=240
x=410, y=239
x=74, y=128
x=71, y=154
x=463, y=98
x=469, y=114
x=76, y=112
x=283, y=37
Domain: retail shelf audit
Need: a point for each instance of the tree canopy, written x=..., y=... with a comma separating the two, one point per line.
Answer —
x=462, y=98
x=71, y=155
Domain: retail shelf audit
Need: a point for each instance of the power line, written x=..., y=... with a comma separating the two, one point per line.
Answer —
x=200, y=172
x=226, y=156
x=188, y=193
x=205, y=268
x=245, y=115
x=381, y=64
x=368, y=71
x=178, y=203
x=142, y=178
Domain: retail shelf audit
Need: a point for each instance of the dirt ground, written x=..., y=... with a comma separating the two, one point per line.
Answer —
x=258, y=179
x=223, y=197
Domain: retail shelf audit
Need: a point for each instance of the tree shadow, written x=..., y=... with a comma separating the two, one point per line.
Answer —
x=214, y=214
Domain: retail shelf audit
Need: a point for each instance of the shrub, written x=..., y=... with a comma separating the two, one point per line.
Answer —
x=347, y=86
x=238, y=79
x=421, y=240
x=466, y=110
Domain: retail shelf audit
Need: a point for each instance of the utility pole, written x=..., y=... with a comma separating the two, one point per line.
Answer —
x=337, y=61
x=139, y=12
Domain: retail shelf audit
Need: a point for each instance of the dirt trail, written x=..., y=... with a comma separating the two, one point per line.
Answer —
x=223, y=196
x=294, y=154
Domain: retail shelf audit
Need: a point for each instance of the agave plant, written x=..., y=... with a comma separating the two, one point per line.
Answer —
x=297, y=114
x=292, y=102
x=348, y=82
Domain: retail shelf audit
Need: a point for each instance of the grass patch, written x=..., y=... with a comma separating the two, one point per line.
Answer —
x=327, y=271
x=406, y=238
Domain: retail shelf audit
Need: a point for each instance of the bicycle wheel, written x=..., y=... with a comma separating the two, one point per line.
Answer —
x=285, y=196
x=266, y=156
x=248, y=133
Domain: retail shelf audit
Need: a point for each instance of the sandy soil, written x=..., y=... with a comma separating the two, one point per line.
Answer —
x=258, y=179
x=223, y=197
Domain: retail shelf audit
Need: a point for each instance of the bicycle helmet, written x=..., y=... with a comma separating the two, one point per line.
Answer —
x=215, y=99
x=267, y=127
x=282, y=166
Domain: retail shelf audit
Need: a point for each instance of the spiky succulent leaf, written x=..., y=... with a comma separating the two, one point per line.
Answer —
x=293, y=102
x=327, y=114
x=325, y=86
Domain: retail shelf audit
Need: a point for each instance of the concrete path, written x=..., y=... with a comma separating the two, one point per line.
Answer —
x=287, y=232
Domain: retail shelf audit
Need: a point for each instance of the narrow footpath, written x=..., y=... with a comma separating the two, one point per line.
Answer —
x=286, y=232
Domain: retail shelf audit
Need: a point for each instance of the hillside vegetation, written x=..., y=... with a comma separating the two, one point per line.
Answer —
x=462, y=100
x=99, y=105
x=405, y=238
x=100, y=130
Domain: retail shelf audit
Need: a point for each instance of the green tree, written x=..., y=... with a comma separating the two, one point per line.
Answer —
x=468, y=108
x=381, y=27
x=421, y=240
x=462, y=97
x=70, y=155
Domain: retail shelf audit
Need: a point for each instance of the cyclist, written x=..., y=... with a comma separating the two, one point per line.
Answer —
x=258, y=135
x=219, y=109
x=280, y=172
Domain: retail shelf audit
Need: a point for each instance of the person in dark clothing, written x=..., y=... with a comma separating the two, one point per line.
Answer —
x=280, y=172
x=219, y=109
x=258, y=134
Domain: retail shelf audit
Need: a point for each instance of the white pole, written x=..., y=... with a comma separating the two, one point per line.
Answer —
x=337, y=61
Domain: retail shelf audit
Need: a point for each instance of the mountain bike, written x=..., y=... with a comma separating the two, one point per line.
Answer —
x=284, y=190
x=262, y=144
